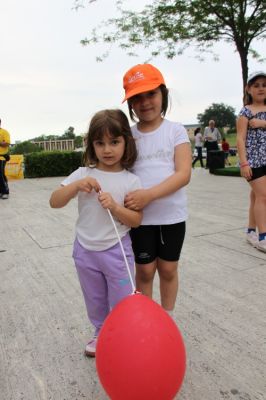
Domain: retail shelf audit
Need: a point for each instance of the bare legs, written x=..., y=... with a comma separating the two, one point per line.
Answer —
x=251, y=215
x=259, y=189
x=168, y=274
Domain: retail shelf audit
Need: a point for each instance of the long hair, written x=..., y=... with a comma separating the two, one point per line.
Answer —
x=197, y=130
x=165, y=103
x=114, y=123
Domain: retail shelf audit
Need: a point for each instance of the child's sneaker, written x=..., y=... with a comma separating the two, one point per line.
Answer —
x=252, y=238
x=261, y=245
x=90, y=348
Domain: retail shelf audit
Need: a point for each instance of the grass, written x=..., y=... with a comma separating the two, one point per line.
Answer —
x=229, y=171
x=232, y=159
x=231, y=139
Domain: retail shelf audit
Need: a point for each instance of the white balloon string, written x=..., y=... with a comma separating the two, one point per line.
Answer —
x=122, y=249
x=123, y=252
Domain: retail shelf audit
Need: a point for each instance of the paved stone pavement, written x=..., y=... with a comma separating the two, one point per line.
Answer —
x=220, y=308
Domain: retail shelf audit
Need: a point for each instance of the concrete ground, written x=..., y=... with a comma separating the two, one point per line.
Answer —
x=220, y=308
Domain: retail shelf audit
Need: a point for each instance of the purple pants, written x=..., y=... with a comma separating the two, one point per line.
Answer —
x=103, y=278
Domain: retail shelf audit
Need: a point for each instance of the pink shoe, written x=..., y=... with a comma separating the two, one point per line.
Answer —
x=90, y=348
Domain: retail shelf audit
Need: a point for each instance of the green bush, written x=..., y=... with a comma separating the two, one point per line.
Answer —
x=51, y=163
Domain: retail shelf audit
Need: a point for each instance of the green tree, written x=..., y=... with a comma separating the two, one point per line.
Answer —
x=223, y=115
x=78, y=141
x=45, y=137
x=25, y=148
x=170, y=26
x=69, y=133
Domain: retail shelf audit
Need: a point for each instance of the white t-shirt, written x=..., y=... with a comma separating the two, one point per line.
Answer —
x=213, y=133
x=198, y=140
x=154, y=164
x=94, y=228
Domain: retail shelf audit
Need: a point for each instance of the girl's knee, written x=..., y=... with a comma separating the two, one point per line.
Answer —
x=168, y=274
x=145, y=276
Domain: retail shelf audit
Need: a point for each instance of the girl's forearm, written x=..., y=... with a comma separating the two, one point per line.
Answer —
x=241, y=148
x=127, y=217
x=63, y=195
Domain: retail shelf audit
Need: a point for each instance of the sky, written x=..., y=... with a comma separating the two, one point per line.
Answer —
x=49, y=81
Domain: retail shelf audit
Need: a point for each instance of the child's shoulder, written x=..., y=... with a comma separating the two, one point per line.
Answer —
x=246, y=112
x=83, y=171
x=173, y=126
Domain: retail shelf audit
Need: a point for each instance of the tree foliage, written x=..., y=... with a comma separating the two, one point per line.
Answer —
x=25, y=148
x=69, y=133
x=170, y=26
x=223, y=115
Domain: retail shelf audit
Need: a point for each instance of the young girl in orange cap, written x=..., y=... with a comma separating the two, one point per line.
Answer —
x=164, y=168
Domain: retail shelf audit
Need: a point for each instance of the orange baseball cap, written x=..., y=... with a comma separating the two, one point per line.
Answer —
x=141, y=78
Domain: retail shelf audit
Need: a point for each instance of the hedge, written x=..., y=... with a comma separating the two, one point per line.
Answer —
x=51, y=163
x=229, y=171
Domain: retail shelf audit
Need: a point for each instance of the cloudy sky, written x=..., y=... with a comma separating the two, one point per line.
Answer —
x=48, y=81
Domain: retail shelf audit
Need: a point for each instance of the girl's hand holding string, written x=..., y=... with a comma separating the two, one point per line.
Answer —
x=138, y=199
x=126, y=216
x=107, y=201
x=87, y=185
x=64, y=194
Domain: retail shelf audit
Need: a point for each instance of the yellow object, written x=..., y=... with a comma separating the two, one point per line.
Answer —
x=4, y=137
x=15, y=167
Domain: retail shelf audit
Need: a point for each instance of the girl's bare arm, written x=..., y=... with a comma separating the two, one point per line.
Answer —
x=61, y=196
x=131, y=218
x=242, y=127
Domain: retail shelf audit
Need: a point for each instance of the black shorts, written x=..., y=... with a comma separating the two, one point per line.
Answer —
x=152, y=241
x=258, y=172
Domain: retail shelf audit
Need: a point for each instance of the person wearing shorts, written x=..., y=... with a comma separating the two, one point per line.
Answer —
x=164, y=167
x=251, y=143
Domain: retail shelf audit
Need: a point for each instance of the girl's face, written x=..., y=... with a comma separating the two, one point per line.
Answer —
x=109, y=150
x=148, y=106
x=258, y=90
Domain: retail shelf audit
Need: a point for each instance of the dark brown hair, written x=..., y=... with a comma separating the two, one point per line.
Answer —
x=247, y=97
x=165, y=93
x=114, y=123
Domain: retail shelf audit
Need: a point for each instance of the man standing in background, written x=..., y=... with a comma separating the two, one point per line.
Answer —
x=4, y=157
x=211, y=138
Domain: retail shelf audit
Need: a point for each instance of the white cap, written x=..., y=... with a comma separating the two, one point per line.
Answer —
x=255, y=75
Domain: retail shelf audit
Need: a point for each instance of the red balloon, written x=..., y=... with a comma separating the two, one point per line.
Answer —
x=140, y=352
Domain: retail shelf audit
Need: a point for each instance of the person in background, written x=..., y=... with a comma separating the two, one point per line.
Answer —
x=198, y=147
x=211, y=138
x=251, y=145
x=4, y=157
x=103, y=184
x=226, y=147
x=164, y=167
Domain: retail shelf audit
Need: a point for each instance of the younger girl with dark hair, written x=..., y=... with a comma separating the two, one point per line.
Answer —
x=103, y=184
